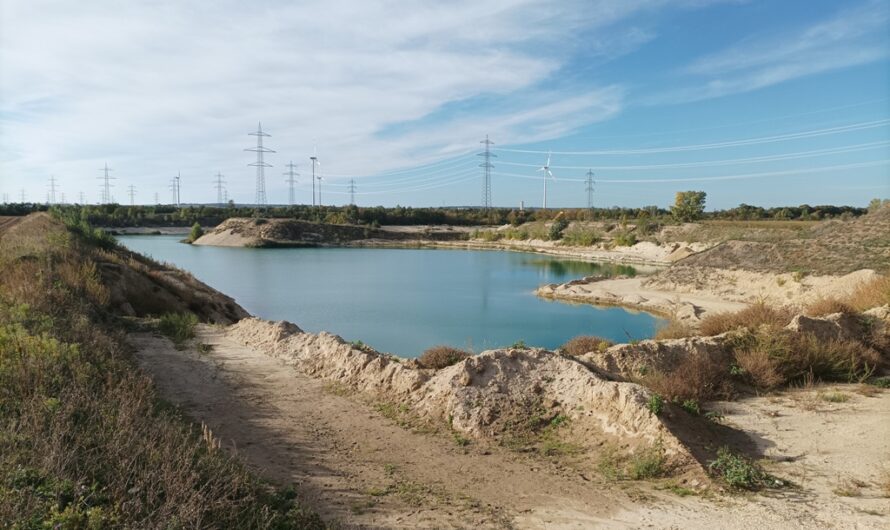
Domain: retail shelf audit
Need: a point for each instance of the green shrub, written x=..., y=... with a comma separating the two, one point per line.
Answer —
x=655, y=404
x=585, y=344
x=648, y=463
x=580, y=237
x=439, y=357
x=625, y=239
x=178, y=327
x=557, y=228
x=738, y=472
x=691, y=406
x=196, y=232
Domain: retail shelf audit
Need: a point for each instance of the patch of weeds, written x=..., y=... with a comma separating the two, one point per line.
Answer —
x=178, y=327
x=678, y=490
x=646, y=463
x=337, y=389
x=390, y=469
x=849, y=487
x=376, y=491
x=558, y=420
x=650, y=462
x=880, y=382
x=205, y=348
x=655, y=404
x=691, y=406
x=555, y=447
x=519, y=345
x=835, y=397
x=460, y=440
x=739, y=473
x=361, y=346
x=359, y=508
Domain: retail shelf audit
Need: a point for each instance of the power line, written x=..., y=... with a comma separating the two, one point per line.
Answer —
x=218, y=184
x=315, y=162
x=131, y=191
x=290, y=180
x=726, y=162
x=23, y=195
x=486, y=166
x=721, y=177
x=351, y=191
x=106, y=185
x=52, y=189
x=718, y=145
x=260, y=164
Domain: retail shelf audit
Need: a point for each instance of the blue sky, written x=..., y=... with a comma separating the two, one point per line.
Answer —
x=755, y=101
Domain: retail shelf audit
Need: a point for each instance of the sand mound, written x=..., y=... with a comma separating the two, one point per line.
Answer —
x=486, y=396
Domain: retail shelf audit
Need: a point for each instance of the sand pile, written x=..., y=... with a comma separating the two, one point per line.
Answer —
x=486, y=396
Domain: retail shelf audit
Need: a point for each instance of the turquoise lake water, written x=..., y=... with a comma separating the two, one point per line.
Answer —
x=404, y=300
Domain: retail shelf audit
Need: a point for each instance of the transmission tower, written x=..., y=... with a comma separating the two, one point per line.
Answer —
x=351, y=191
x=157, y=200
x=218, y=184
x=260, y=164
x=62, y=197
x=23, y=196
x=131, y=191
x=315, y=162
x=5, y=198
x=175, y=187
x=486, y=166
x=290, y=174
x=589, y=189
x=52, y=189
x=81, y=198
x=106, y=185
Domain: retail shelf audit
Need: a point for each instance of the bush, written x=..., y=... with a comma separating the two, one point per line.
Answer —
x=827, y=306
x=625, y=239
x=585, y=344
x=580, y=237
x=196, y=232
x=439, y=357
x=648, y=463
x=179, y=327
x=696, y=377
x=737, y=472
x=655, y=404
x=556, y=229
x=870, y=294
x=752, y=317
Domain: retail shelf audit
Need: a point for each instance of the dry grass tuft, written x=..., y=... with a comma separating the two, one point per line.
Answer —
x=760, y=368
x=871, y=294
x=697, y=377
x=585, y=344
x=752, y=317
x=827, y=306
x=439, y=357
x=674, y=329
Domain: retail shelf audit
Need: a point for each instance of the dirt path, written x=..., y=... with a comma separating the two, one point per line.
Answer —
x=7, y=222
x=359, y=468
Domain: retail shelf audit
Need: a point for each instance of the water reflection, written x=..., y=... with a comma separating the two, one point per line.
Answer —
x=578, y=269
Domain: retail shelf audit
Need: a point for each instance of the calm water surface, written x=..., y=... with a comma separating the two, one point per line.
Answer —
x=403, y=300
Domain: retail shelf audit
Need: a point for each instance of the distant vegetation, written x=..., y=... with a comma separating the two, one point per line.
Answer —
x=116, y=215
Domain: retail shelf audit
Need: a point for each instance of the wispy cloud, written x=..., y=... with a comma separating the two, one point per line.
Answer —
x=853, y=36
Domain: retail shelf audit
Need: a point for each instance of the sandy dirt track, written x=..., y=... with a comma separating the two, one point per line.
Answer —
x=362, y=470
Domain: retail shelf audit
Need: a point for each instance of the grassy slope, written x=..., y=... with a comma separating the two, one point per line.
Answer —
x=84, y=440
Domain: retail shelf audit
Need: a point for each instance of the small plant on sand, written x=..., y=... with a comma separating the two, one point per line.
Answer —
x=655, y=404
x=835, y=397
x=647, y=463
x=179, y=327
x=439, y=357
x=691, y=406
x=585, y=344
x=519, y=345
x=849, y=487
x=880, y=382
x=738, y=472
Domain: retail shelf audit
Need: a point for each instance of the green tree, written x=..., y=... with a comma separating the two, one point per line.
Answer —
x=196, y=232
x=688, y=206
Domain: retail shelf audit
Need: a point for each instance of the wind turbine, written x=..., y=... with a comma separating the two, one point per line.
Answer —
x=545, y=169
x=315, y=162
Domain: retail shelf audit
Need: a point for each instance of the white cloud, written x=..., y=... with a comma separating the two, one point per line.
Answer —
x=157, y=86
x=854, y=36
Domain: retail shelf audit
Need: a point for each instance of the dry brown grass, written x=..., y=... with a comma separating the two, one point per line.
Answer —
x=761, y=369
x=439, y=357
x=753, y=317
x=674, y=329
x=827, y=306
x=871, y=294
x=585, y=344
x=697, y=377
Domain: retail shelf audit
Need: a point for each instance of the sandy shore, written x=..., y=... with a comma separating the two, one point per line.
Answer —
x=689, y=293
